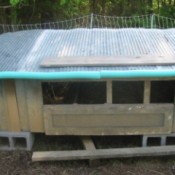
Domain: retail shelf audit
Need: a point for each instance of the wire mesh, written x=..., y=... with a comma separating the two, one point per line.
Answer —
x=97, y=21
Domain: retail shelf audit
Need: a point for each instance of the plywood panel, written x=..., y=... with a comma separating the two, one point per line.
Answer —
x=22, y=104
x=108, y=119
x=3, y=108
x=12, y=108
x=34, y=105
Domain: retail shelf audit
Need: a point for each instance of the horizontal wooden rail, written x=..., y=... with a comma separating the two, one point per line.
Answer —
x=103, y=153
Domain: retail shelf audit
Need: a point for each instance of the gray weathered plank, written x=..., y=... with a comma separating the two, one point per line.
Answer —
x=107, y=61
x=108, y=119
x=103, y=153
x=147, y=91
x=109, y=91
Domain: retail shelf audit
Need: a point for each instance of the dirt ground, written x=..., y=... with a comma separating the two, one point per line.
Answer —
x=19, y=162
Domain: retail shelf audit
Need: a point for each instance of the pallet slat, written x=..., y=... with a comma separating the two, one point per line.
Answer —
x=103, y=153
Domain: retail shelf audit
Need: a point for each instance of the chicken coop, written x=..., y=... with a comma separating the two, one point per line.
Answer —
x=88, y=82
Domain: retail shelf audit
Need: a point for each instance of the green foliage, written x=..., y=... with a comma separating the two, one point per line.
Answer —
x=14, y=2
x=31, y=11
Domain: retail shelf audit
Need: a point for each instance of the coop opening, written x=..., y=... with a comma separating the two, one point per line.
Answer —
x=154, y=141
x=162, y=91
x=74, y=92
x=170, y=140
x=4, y=141
x=20, y=142
x=127, y=92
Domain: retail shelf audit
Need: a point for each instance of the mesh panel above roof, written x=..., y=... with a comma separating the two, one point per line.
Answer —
x=24, y=50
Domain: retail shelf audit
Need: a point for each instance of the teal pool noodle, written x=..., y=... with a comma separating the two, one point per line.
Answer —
x=88, y=74
x=50, y=75
x=138, y=74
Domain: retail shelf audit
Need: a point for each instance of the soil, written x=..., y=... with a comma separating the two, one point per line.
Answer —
x=19, y=162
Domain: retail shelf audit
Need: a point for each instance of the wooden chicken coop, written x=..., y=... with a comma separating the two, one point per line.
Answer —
x=88, y=82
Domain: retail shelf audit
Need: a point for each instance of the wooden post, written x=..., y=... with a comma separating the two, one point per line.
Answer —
x=109, y=91
x=89, y=145
x=147, y=91
x=173, y=129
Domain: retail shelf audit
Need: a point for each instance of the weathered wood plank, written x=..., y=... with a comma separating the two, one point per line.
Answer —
x=173, y=127
x=108, y=119
x=107, y=61
x=103, y=153
x=22, y=104
x=89, y=145
x=12, y=106
x=3, y=108
x=34, y=105
x=109, y=91
x=147, y=91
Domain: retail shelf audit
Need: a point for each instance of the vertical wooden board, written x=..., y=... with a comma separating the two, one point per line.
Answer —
x=109, y=91
x=147, y=91
x=173, y=127
x=13, y=114
x=89, y=145
x=22, y=104
x=35, y=105
x=3, y=108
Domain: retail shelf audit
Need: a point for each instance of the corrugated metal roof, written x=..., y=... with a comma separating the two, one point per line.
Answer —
x=24, y=50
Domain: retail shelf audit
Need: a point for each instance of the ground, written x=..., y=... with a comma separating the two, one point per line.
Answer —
x=19, y=162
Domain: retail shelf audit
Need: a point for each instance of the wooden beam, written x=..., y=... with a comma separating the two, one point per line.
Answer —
x=107, y=61
x=109, y=91
x=147, y=91
x=103, y=153
x=89, y=145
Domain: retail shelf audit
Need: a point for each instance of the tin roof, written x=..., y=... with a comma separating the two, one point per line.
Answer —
x=23, y=51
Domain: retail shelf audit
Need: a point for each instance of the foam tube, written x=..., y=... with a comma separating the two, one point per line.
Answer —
x=50, y=75
x=87, y=74
x=137, y=74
